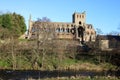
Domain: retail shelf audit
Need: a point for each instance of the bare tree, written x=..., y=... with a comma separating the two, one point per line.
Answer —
x=99, y=31
x=43, y=19
x=13, y=54
x=113, y=33
x=44, y=35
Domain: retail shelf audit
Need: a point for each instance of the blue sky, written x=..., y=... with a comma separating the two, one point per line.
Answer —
x=103, y=14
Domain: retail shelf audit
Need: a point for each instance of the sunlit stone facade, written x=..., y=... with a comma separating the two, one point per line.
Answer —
x=77, y=30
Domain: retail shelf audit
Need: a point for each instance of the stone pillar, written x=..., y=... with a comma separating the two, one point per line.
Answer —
x=76, y=32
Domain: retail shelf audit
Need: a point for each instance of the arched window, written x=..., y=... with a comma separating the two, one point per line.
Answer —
x=72, y=30
x=67, y=30
x=57, y=29
x=82, y=16
x=72, y=25
x=62, y=29
x=88, y=26
x=80, y=22
x=33, y=29
x=92, y=33
x=67, y=25
x=91, y=27
x=90, y=39
x=87, y=33
x=77, y=16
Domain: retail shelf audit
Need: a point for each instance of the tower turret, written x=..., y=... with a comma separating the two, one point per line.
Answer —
x=29, y=26
x=79, y=18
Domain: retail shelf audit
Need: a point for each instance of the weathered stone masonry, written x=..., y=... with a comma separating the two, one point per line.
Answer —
x=78, y=29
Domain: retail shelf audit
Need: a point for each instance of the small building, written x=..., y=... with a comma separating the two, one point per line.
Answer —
x=108, y=41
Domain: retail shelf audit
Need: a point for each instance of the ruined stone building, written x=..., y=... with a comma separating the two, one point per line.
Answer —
x=108, y=42
x=77, y=30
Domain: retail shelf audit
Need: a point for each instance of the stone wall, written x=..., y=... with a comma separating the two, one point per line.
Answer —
x=104, y=44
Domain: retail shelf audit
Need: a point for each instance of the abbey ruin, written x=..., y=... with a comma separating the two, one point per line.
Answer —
x=77, y=30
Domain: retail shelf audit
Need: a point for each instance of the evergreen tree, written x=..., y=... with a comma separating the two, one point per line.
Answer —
x=13, y=23
x=7, y=21
x=0, y=21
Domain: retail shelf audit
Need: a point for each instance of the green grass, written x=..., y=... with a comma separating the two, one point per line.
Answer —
x=23, y=40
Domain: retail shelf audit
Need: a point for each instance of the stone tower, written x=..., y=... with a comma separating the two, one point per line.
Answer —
x=30, y=27
x=79, y=18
